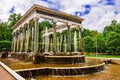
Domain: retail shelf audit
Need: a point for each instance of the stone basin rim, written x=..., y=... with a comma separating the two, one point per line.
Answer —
x=66, y=56
x=102, y=64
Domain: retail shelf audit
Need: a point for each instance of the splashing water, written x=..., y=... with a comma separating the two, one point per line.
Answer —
x=75, y=42
x=46, y=40
x=58, y=43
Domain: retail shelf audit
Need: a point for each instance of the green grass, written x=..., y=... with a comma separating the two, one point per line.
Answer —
x=102, y=56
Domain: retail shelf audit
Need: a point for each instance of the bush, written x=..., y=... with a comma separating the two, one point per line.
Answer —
x=5, y=45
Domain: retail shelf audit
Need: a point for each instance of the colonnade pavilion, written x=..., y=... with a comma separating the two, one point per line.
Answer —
x=26, y=31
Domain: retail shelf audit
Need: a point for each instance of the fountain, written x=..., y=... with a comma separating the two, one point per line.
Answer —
x=29, y=70
x=61, y=61
x=46, y=40
x=75, y=42
x=58, y=49
x=60, y=64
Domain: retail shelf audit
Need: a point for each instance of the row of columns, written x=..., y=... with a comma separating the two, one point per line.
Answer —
x=22, y=39
x=17, y=40
x=68, y=38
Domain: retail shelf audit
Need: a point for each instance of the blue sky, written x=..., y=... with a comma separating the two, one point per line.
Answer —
x=97, y=13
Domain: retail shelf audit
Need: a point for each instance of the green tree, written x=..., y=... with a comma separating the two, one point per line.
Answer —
x=6, y=30
x=44, y=24
x=2, y=29
x=113, y=43
x=99, y=43
x=87, y=32
x=88, y=44
x=13, y=18
x=42, y=27
x=111, y=34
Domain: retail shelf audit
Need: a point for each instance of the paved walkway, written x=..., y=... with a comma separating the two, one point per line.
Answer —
x=113, y=60
x=104, y=58
x=8, y=74
x=4, y=75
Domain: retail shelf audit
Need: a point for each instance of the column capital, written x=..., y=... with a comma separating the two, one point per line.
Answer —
x=36, y=18
x=54, y=21
x=17, y=33
x=69, y=24
x=14, y=34
x=60, y=31
x=80, y=26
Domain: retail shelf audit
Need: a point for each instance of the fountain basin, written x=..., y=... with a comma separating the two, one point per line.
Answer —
x=27, y=68
x=60, y=58
x=65, y=59
x=61, y=71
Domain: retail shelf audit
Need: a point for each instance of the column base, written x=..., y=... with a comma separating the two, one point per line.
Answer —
x=38, y=59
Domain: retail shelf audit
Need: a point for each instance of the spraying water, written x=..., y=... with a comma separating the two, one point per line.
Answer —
x=58, y=44
x=46, y=40
x=75, y=42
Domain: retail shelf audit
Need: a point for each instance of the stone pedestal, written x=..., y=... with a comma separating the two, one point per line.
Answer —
x=38, y=59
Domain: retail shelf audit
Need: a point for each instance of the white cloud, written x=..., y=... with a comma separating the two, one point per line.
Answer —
x=100, y=15
x=21, y=6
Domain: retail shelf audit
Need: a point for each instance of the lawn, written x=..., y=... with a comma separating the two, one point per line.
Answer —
x=102, y=55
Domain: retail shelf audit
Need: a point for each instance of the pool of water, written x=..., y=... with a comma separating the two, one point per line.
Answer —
x=16, y=64
x=111, y=72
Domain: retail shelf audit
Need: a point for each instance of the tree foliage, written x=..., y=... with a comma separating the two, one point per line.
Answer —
x=88, y=44
x=13, y=18
x=106, y=42
x=6, y=31
x=5, y=45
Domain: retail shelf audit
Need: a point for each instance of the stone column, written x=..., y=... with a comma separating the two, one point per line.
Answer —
x=18, y=39
x=58, y=43
x=36, y=36
x=51, y=40
x=61, y=41
x=54, y=36
x=12, y=43
x=29, y=39
x=16, y=42
x=21, y=47
x=80, y=38
x=23, y=40
x=69, y=38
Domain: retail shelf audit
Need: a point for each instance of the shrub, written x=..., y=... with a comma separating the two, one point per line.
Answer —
x=5, y=45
